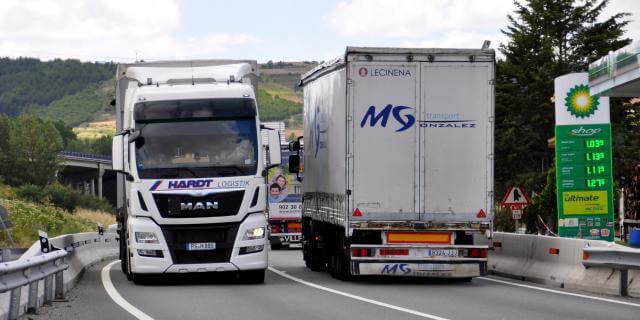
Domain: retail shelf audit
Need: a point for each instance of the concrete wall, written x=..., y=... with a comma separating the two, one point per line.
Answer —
x=528, y=258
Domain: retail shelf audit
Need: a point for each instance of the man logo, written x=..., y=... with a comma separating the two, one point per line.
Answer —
x=190, y=206
x=363, y=72
x=383, y=117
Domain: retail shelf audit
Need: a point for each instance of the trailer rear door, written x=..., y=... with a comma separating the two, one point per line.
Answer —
x=456, y=140
x=384, y=101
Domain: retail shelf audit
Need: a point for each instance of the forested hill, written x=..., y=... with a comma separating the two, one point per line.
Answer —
x=27, y=83
x=78, y=93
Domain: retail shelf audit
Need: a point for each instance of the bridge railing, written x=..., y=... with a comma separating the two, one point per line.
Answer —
x=85, y=156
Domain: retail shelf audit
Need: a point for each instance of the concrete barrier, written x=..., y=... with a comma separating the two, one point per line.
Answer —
x=553, y=261
x=85, y=250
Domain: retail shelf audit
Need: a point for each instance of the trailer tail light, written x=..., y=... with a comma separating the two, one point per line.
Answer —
x=477, y=253
x=394, y=252
x=419, y=237
x=362, y=252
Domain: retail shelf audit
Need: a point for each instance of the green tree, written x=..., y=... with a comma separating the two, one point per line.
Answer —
x=547, y=38
x=66, y=132
x=35, y=145
x=6, y=160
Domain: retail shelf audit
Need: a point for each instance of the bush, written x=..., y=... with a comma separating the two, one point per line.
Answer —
x=28, y=217
x=30, y=192
x=95, y=203
x=62, y=196
x=503, y=220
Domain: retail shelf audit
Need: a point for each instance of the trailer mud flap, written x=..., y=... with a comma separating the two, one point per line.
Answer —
x=435, y=270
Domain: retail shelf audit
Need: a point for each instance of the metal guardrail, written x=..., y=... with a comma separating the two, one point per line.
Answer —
x=49, y=266
x=617, y=259
x=18, y=273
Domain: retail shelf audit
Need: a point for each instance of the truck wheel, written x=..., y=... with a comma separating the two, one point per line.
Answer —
x=344, y=267
x=252, y=277
x=123, y=253
x=316, y=263
x=129, y=273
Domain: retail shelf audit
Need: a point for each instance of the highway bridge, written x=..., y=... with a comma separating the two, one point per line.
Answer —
x=90, y=173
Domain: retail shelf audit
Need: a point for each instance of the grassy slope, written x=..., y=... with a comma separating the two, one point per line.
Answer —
x=28, y=217
x=83, y=106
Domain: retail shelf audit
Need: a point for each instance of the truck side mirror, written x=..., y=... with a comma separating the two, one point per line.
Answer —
x=294, y=163
x=295, y=146
x=117, y=153
x=275, y=156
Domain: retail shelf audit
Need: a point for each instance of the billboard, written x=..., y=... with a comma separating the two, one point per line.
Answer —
x=285, y=192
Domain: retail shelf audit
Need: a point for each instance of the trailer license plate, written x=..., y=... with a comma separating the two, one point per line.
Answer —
x=195, y=246
x=443, y=253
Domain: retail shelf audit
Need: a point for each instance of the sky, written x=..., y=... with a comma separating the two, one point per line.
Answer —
x=287, y=30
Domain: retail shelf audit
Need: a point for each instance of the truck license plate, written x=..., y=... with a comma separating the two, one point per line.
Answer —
x=195, y=246
x=443, y=253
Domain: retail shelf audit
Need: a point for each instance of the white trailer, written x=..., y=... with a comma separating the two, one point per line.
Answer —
x=398, y=162
x=191, y=188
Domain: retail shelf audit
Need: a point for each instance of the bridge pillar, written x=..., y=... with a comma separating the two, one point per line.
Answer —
x=100, y=174
x=92, y=186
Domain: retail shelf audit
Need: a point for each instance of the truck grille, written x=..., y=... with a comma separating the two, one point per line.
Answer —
x=223, y=235
x=186, y=206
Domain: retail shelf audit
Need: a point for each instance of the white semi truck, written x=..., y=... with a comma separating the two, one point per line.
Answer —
x=398, y=162
x=191, y=189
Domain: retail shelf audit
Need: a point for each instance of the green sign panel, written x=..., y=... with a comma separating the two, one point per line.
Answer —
x=585, y=182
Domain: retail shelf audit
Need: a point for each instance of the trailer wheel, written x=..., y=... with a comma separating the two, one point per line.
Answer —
x=316, y=261
x=344, y=267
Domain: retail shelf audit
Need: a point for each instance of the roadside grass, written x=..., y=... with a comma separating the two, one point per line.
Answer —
x=94, y=130
x=29, y=217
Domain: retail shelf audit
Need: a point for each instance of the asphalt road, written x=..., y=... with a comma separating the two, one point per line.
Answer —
x=293, y=292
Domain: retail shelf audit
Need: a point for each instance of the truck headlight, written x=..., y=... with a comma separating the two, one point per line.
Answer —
x=146, y=237
x=254, y=233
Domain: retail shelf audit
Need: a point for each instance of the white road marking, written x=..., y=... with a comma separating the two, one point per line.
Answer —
x=116, y=297
x=562, y=292
x=352, y=296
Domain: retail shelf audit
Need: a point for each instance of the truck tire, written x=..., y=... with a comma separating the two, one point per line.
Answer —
x=316, y=261
x=343, y=266
x=252, y=276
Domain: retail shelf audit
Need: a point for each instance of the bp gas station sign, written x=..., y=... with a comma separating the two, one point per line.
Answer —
x=583, y=161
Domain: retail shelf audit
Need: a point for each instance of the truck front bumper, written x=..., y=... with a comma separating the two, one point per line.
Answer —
x=232, y=254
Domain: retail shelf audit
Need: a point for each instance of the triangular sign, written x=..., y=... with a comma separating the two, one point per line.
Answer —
x=481, y=214
x=357, y=213
x=516, y=195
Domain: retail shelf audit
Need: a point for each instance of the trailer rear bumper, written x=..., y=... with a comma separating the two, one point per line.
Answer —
x=421, y=269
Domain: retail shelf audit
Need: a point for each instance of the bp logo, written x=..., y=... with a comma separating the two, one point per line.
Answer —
x=579, y=103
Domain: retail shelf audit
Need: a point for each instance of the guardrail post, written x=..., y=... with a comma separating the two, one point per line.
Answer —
x=32, y=303
x=624, y=282
x=59, y=286
x=48, y=289
x=14, y=303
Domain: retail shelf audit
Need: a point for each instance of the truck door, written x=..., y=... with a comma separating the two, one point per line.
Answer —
x=455, y=134
x=383, y=124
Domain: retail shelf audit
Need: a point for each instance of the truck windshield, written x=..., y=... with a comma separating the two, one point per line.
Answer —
x=201, y=147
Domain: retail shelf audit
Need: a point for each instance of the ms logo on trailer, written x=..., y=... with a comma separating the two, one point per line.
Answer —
x=404, y=119
x=395, y=267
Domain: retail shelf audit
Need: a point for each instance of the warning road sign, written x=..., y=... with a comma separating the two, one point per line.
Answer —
x=515, y=196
